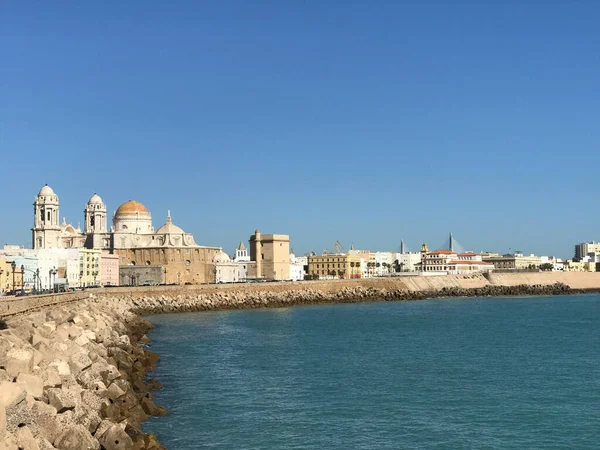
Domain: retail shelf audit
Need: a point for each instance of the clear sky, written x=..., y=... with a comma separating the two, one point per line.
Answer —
x=365, y=122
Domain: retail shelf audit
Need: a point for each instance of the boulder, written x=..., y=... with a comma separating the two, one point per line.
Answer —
x=81, y=340
x=61, y=399
x=104, y=425
x=11, y=393
x=62, y=367
x=151, y=409
x=32, y=384
x=51, y=377
x=76, y=438
x=9, y=442
x=25, y=439
x=17, y=360
x=44, y=417
x=49, y=327
x=79, y=362
x=44, y=444
x=114, y=391
x=115, y=438
x=19, y=415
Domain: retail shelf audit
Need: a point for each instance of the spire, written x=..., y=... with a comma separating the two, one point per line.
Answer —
x=169, y=216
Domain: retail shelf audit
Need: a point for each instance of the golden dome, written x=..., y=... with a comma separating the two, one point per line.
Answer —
x=131, y=207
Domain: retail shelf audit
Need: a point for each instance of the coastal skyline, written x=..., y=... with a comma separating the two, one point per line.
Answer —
x=399, y=122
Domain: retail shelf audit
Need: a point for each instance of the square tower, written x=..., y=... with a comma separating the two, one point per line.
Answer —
x=272, y=255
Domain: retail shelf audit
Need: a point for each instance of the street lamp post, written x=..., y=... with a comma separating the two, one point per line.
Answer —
x=38, y=283
x=1, y=287
x=13, y=265
x=165, y=272
x=22, y=277
x=53, y=272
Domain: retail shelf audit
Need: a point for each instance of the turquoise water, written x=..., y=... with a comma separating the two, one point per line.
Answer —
x=493, y=373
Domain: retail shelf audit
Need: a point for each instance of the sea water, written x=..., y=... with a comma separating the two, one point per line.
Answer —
x=493, y=373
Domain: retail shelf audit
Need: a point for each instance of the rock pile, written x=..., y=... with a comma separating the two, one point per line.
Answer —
x=231, y=299
x=72, y=378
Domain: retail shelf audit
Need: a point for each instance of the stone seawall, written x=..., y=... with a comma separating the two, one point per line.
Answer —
x=72, y=377
x=405, y=287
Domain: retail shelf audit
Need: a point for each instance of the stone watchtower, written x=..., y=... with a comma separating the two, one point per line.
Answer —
x=46, y=227
x=95, y=222
x=272, y=255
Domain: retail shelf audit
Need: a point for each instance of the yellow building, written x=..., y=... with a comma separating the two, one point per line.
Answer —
x=335, y=266
x=579, y=266
x=7, y=277
x=271, y=252
x=89, y=267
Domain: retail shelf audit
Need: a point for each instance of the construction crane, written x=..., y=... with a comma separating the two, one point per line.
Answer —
x=336, y=249
x=337, y=245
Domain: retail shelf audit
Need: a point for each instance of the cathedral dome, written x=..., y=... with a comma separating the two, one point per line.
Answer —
x=46, y=190
x=95, y=199
x=169, y=228
x=132, y=207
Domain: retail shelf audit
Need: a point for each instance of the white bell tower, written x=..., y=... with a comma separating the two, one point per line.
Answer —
x=95, y=215
x=95, y=223
x=46, y=227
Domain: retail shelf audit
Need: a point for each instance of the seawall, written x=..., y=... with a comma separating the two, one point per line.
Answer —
x=175, y=298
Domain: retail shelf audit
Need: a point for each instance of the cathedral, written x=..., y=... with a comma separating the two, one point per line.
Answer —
x=131, y=236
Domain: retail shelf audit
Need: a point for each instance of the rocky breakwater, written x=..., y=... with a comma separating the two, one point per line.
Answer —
x=186, y=301
x=72, y=378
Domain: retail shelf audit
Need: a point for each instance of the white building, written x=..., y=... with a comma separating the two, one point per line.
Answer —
x=383, y=263
x=297, y=265
x=47, y=262
x=226, y=270
x=407, y=262
x=451, y=263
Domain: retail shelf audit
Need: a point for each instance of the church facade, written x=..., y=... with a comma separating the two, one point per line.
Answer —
x=132, y=237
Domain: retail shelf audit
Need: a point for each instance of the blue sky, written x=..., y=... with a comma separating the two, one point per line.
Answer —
x=364, y=122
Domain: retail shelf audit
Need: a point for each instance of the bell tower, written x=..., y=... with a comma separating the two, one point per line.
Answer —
x=95, y=215
x=95, y=223
x=46, y=227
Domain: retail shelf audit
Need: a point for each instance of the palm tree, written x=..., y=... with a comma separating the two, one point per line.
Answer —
x=352, y=264
x=377, y=265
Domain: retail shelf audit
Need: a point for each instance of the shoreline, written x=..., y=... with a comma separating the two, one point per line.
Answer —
x=76, y=372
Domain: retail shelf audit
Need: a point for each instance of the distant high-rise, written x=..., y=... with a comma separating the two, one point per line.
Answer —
x=586, y=248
